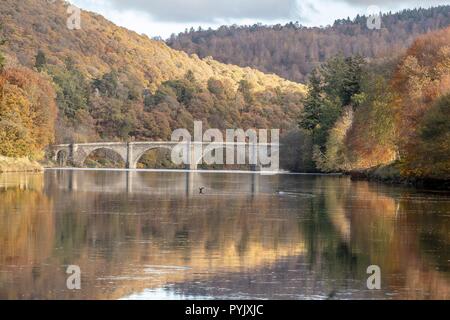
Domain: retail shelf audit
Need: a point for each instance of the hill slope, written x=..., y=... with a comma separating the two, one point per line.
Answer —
x=114, y=84
x=394, y=114
x=101, y=46
x=292, y=51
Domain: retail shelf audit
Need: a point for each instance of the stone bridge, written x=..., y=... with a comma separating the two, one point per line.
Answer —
x=131, y=152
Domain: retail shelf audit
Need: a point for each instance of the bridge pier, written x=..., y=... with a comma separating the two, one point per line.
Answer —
x=254, y=159
x=131, y=162
x=194, y=151
x=74, y=157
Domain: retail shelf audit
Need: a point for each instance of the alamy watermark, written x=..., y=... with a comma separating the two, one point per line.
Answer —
x=73, y=282
x=374, y=280
x=250, y=147
x=73, y=21
x=373, y=18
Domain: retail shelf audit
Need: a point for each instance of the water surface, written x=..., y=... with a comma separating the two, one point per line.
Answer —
x=151, y=235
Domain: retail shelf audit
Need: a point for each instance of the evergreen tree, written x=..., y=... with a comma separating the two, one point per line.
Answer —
x=41, y=60
x=2, y=58
x=71, y=88
x=332, y=87
x=2, y=61
x=310, y=117
x=245, y=88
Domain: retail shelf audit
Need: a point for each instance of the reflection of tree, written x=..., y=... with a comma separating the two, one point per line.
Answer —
x=26, y=233
x=392, y=233
x=112, y=237
x=328, y=236
x=347, y=227
x=204, y=237
x=127, y=242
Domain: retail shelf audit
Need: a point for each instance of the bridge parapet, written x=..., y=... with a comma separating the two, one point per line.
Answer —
x=131, y=152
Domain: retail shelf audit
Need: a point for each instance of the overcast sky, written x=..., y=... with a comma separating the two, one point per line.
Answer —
x=164, y=17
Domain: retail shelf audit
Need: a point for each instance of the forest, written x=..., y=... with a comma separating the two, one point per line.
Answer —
x=364, y=115
x=27, y=112
x=292, y=51
x=359, y=109
x=111, y=84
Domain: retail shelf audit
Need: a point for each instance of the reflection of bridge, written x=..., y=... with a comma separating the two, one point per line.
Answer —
x=152, y=183
x=131, y=152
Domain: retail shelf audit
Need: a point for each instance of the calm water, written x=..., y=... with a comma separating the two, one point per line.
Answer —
x=151, y=235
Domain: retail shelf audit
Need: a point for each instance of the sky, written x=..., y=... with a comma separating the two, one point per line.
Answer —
x=161, y=18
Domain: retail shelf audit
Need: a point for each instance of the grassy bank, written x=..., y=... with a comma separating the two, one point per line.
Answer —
x=18, y=165
x=391, y=174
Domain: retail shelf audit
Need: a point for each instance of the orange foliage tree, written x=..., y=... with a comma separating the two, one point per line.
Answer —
x=27, y=113
x=421, y=80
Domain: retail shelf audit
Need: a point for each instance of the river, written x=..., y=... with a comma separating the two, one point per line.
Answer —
x=153, y=235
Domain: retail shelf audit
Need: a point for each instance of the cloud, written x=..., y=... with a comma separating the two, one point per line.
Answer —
x=409, y=3
x=164, y=17
x=211, y=10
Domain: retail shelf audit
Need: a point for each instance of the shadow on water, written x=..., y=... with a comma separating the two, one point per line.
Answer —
x=153, y=235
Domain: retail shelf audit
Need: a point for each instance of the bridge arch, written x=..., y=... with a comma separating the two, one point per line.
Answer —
x=111, y=154
x=80, y=152
x=61, y=157
x=141, y=151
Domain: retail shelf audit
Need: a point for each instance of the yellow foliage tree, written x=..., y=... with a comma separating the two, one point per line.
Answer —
x=27, y=113
x=15, y=122
x=422, y=82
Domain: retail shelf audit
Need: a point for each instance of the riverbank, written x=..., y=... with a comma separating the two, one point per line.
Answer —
x=390, y=174
x=18, y=165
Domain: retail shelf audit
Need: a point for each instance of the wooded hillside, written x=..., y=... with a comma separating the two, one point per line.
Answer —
x=113, y=84
x=293, y=51
x=362, y=115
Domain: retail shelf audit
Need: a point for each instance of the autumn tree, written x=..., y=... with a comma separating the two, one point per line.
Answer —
x=422, y=81
x=371, y=140
x=433, y=147
x=27, y=113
